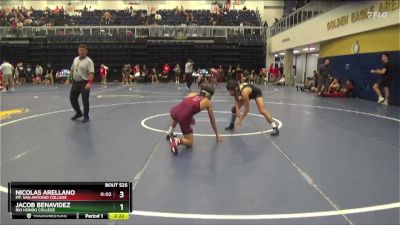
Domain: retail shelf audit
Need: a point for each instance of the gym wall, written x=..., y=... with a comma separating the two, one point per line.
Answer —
x=357, y=66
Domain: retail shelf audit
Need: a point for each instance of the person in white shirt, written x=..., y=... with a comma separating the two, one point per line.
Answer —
x=188, y=73
x=82, y=75
x=39, y=74
x=7, y=71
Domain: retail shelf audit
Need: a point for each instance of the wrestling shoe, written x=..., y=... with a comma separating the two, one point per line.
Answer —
x=380, y=99
x=170, y=136
x=76, y=116
x=275, y=131
x=173, y=142
x=85, y=119
x=230, y=127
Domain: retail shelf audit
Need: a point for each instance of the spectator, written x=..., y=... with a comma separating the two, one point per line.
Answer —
x=281, y=81
x=166, y=69
x=188, y=73
x=291, y=78
x=253, y=77
x=334, y=86
x=230, y=73
x=270, y=71
x=157, y=18
x=145, y=73
x=103, y=74
x=49, y=78
x=57, y=10
x=281, y=69
x=228, y=4
x=323, y=73
x=2, y=89
x=239, y=74
x=387, y=73
x=177, y=71
x=309, y=85
x=135, y=73
x=154, y=78
x=21, y=73
x=39, y=75
x=221, y=73
x=246, y=76
x=189, y=18
x=106, y=18
x=136, y=70
x=30, y=73
x=7, y=70
x=275, y=73
x=126, y=70
x=262, y=77
x=348, y=89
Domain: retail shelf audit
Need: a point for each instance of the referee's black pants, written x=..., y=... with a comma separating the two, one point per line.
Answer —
x=79, y=87
x=189, y=80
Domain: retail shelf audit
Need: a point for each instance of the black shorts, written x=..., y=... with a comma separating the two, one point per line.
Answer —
x=384, y=82
x=322, y=80
x=255, y=93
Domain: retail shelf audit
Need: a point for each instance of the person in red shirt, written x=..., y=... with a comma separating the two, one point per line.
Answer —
x=136, y=72
x=347, y=91
x=183, y=114
x=270, y=71
x=1, y=82
x=166, y=70
x=103, y=73
x=275, y=73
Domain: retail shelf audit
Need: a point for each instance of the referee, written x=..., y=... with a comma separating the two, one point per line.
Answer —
x=81, y=76
x=188, y=73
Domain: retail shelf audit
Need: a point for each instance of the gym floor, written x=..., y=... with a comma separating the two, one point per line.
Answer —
x=336, y=160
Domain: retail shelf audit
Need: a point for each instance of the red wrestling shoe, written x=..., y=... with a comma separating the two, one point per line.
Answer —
x=173, y=142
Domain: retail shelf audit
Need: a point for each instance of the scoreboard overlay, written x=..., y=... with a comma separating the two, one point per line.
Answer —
x=70, y=200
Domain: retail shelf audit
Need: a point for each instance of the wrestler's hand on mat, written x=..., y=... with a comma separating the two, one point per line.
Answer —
x=219, y=138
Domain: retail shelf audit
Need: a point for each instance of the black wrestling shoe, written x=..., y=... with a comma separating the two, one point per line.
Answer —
x=85, y=119
x=168, y=136
x=275, y=131
x=76, y=116
x=230, y=127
